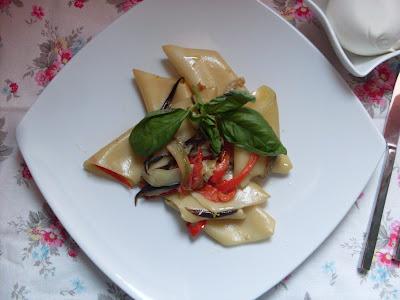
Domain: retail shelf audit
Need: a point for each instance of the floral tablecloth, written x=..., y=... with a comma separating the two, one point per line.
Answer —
x=38, y=259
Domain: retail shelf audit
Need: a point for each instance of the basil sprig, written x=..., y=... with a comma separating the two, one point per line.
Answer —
x=209, y=128
x=247, y=129
x=230, y=101
x=156, y=130
x=222, y=117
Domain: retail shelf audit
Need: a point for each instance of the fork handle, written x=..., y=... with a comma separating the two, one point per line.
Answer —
x=397, y=254
x=379, y=205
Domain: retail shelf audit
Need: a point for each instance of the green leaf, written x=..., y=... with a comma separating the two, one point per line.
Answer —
x=247, y=129
x=230, y=101
x=156, y=130
x=208, y=127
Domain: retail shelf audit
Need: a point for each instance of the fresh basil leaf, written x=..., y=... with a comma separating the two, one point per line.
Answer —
x=156, y=130
x=196, y=114
x=208, y=127
x=247, y=129
x=230, y=101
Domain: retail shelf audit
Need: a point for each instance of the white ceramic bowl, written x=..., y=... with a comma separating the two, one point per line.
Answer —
x=357, y=65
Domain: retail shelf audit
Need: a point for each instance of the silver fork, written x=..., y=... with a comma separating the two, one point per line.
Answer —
x=391, y=135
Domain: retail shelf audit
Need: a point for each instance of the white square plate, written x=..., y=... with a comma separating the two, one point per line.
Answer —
x=332, y=143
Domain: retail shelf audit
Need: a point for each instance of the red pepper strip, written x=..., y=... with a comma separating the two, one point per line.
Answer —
x=195, y=228
x=220, y=168
x=225, y=197
x=196, y=178
x=207, y=157
x=212, y=193
x=227, y=186
x=116, y=176
x=209, y=192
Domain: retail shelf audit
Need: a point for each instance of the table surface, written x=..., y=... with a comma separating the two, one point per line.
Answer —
x=38, y=259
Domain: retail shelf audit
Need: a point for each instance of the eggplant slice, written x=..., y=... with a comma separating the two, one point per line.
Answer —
x=204, y=213
x=151, y=191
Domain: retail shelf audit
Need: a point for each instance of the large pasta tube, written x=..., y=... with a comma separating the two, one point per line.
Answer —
x=267, y=106
x=251, y=195
x=117, y=160
x=155, y=89
x=204, y=69
x=186, y=203
x=257, y=226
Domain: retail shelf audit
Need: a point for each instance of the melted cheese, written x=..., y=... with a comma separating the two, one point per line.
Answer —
x=204, y=69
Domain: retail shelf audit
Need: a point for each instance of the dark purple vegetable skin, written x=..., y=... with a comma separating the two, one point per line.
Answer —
x=150, y=191
x=204, y=213
x=170, y=97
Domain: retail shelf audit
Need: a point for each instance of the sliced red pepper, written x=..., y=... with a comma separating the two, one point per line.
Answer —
x=116, y=176
x=209, y=192
x=212, y=193
x=227, y=186
x=225, y=197
x=220, y=168
x=195, y=228
x=196, y=178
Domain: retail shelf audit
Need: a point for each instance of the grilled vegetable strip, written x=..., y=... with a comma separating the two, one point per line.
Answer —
x=221, y=168
x=156, y=162
x=149, y=191
x=180, y=155
x=161, y=177
x=212, y=193
x=168, y=101
x=209, y=214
